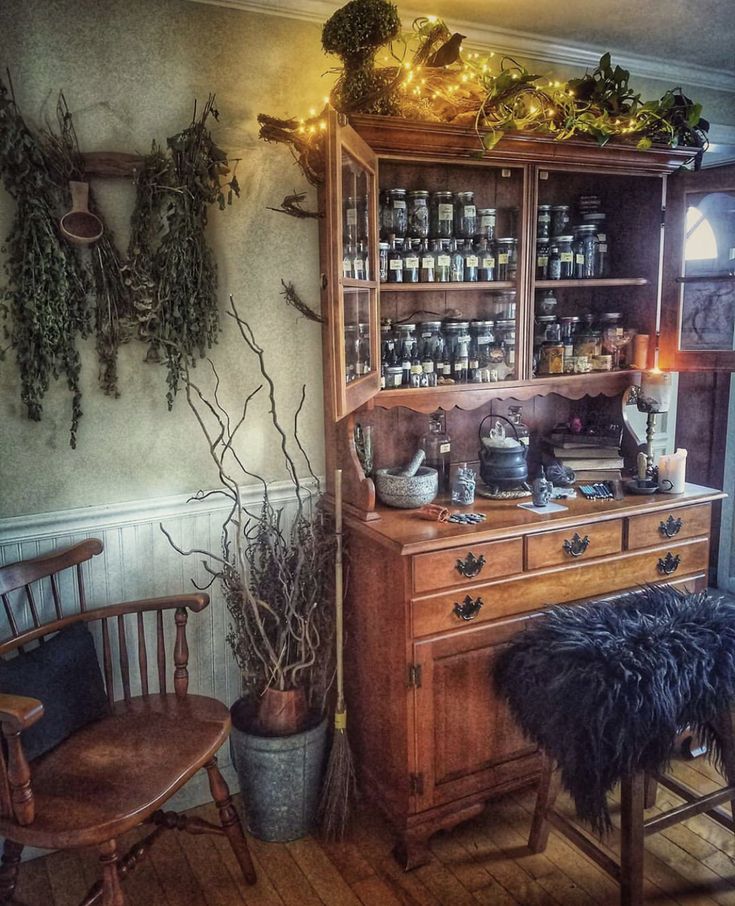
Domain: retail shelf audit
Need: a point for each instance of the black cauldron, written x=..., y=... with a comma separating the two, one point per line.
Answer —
x=503, y=468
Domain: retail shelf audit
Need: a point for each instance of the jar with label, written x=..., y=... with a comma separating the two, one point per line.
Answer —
x=438, y=448
x=426, y=265
x=565, y=267
x=387, y=337
x=551, y=357
x=351, y=220
x=383, y=251
x=586, y=251
x=395, y=262
x=442, y=215
x=457, y=262
x=507, y=266
x=588, y=342
x=569, y=327
x=486, y=265
x=503, y=352
x=471, y=263
x=548, y=302
x=411, y=264
x=515, y=416
x=487, y=219
x=543, y=221
x=483, y=335
x=442, y=260
x=546, y=327
x=359, y=262
x=502, y=304
x=406, y=335
x=456, y=337
x=348, y=257
x=428, y=368
x=465, y=216
x=542, y=259
x=385, y=214
x=418, y=214
x=351, y=360
x=597, y=219
x=399, y=211
x=431, y=332
x=393, y=376
x=559, y=219
x=363, y=218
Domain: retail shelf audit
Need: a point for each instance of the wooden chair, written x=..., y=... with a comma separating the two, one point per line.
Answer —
x=115, y=773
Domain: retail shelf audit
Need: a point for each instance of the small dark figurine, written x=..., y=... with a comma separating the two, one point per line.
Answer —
x=448, y=53
x=541, y=489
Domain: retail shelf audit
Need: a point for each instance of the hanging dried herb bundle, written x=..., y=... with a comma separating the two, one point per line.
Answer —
x=180, y=319
x=45, y=295
x=112, y=310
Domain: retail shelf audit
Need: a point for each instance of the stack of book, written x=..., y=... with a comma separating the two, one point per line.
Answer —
x=591, y=457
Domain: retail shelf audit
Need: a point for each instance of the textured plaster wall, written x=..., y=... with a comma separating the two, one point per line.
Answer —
x=130, y=70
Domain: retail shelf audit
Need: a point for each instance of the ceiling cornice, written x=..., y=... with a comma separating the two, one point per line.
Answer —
x=506, y=41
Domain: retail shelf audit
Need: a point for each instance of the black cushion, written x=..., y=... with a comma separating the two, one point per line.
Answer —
x=65, y=675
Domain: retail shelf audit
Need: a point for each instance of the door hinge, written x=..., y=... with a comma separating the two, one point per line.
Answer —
x=414, y=676
x=416, y=784
x=663, y=216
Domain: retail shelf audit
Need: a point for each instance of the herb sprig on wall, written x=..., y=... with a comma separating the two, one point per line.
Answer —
x=46, y=289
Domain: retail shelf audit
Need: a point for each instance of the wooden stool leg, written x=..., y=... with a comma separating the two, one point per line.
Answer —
x=548, y=790
x=650, y=790
x=9, y=870
x=230, y=820
x=631, y=840
x=112, y=894
x=724, y=729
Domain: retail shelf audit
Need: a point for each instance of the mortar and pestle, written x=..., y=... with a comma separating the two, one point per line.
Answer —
x=407, y=487
x=79, y=225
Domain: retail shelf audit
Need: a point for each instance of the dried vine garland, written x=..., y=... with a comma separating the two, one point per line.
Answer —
x=45, y=295
x=174, y=273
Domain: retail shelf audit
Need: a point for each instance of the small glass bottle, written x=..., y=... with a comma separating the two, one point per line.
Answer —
x=471, y=263
x=543, y=221
x=487, y=218
x=410, y=264
x=515, y=415
x=348, y=259
x=406, y=365
x=437, y=445
x=350, y=220
x=554, y=264
x=559, y=219
x=358, y=262
x=486, y=267
x=507, y=268
x=457, y=263
x=443, y=261
x=395, y=262
x=428, y=377
x=566, y=257
x=416, y=368
x=542, y=258
x=427, y=264
x=383, y=250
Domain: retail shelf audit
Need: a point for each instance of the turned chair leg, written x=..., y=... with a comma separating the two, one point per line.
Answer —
x=548, y=790
x=112, y=894
x=230, y=820
x=9, y=870
x=632, y=840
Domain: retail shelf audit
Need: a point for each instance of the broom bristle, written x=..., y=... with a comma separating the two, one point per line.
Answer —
x=338, y=790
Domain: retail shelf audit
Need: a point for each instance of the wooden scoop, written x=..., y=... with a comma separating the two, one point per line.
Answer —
x=79, y=225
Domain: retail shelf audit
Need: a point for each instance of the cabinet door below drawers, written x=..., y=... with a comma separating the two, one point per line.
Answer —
x=584, y=542
x=678, y=522
x=475, y=562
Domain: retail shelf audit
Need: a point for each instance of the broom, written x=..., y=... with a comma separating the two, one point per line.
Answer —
x=339, y=782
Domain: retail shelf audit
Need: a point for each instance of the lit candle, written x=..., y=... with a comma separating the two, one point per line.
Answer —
x=655, y=395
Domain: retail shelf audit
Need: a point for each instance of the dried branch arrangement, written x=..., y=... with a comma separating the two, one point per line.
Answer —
x=276, y=570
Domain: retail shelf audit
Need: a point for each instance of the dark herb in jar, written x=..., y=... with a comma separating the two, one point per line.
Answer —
x=487, y=218
x=399, y=212
x=418, y=214
x=465, y=216
x=486, y=267
x=443, y=261
x=442, y=215
x=395, y=263
x=471, y=263
x=411, y=264
x=427, y=265
x=383, y=252
x=542, y=259
x=543, y=221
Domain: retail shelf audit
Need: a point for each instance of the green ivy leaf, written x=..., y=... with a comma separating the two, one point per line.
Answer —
x=644, y=144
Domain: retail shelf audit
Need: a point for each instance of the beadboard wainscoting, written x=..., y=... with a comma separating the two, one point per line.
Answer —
x=138, y=562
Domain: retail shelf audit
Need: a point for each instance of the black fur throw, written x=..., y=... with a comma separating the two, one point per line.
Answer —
x=605, y=687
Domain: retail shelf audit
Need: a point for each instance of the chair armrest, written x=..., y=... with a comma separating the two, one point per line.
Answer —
x=196, y=603
x=19, y=712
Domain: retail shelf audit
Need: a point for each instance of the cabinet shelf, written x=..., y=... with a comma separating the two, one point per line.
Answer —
x=580, y=284
x=449, y=287
x=472, y=396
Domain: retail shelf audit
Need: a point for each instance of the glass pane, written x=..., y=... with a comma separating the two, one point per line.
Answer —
x=358, y=358
x=356, y=203
x=707, y=295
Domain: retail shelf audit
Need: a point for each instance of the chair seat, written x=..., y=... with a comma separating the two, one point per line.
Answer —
x=114, y=773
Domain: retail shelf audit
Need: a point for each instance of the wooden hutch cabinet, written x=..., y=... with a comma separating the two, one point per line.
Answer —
x=430, y=605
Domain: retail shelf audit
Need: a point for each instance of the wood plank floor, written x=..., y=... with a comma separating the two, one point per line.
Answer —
x=483, y=861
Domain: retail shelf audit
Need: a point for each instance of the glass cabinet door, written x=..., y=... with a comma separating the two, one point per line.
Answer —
x=699, y=288
x=349, y=235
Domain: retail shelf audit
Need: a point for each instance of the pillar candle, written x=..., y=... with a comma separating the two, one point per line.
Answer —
x=640, y=351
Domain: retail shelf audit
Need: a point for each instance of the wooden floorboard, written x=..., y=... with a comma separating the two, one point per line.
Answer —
x=483, y=861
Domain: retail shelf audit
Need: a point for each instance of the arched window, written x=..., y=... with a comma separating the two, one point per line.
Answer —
x=701, y=242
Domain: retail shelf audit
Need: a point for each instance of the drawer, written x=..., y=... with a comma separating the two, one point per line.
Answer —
x=678, y=522
x=558, y=585
x=584, y=542
x=473, y=563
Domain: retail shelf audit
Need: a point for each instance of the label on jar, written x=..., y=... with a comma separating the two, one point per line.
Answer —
x=395, y=264
x=446, y=211
x=445, y=447
x=502, y=257
x=487, y=220
x=579, y=258
x=410, y=263
x=416, y=369
x=427, y=263
x=471, y=261
x=428, y=367
x=399, y=205
x=347, y=267
x=544, y=217
x=443, y=260
x=542, y=260
x=351, y=216
x=488, y=262
x=470, y=210
x=566, y=256
x=602, y=247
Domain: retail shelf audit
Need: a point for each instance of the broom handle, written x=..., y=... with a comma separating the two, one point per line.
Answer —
x=338, y=590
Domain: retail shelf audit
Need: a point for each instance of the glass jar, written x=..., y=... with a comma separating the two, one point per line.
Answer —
x=551, y=357
x=569, y=327
x=393, y=376
x=588, y=342
x=385, y=215
x=471, y=263
x=503, y=353
x=548, y=302
x=597, y=219
x=456, y=337
x=442, y=260
x=515, y=416
x=430, y=332
x=437, y=445
x=486, y=266
x=507, y=266
x=483, y=336
x=559, y=219
x=585, y=261
x=383, y=252
x=387, y=337
x=360, y=262
x=487, y=219
x=465, y=216
x=457, y=262
x=442, y=215
x=427, y=264
x=363, y=218
x=399, y=212
x=395, y=261
x=542, y=259
x=543, y=221
x=348, y=259
x=502, y=304
x=350, y=220
x=546, y=327
x=565, y=265
x=410, y=264
x=406, y=335
x=418, y=214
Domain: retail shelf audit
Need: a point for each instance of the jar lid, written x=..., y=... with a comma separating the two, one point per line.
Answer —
x=394, y=369
x=418, y=193
x=430, y=325
x=482, y=325
x=594, y=218
x=406, y=325
x=546, y=319
x=542, y=241
x=464, y=196
x=570, y=319
x=611, y=316
x=560, y=207
x=544, y=207
x=505, y=323
x=564, y=238
x=485, y=211
x=442, y=194
x=585, y=228
x=383, y=245
x=509, y=239
x=453, y=325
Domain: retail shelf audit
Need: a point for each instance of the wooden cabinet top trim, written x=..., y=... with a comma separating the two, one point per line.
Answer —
x=406, y=533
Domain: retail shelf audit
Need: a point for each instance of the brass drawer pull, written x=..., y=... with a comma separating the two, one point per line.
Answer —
x=468, y=609
x=671, y=527
x=576, y=546
x=668, y=564
x=471, y=566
